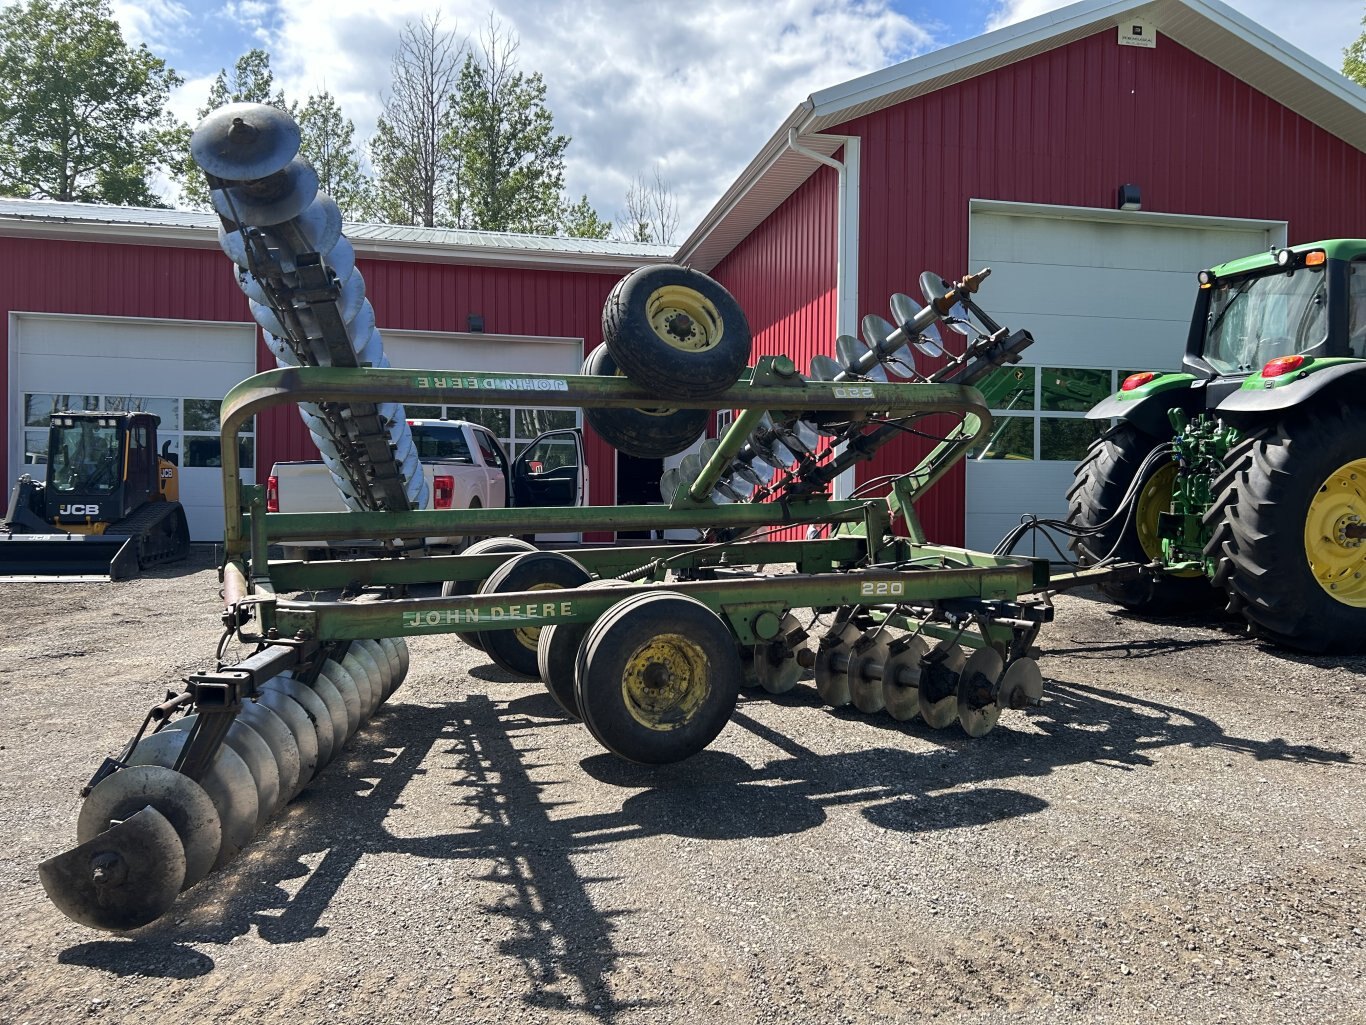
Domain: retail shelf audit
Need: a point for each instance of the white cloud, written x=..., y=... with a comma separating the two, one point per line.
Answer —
x=695, y=87
x=154, y=22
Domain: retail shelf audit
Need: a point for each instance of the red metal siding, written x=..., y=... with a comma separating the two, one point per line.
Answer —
x=1067, y=127
x=50, y=276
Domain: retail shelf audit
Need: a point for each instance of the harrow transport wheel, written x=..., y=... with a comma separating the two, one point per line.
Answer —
x=1288, y=537
x=647, y=433
x=228, y=783
x=124, y=877
x=515, y=649
x=938, y=688
x=657, y=677
x=183, y=801
x=978, y=710
x=1099, y=486
x=901, y=678
x=557, y=650
x=484, y=546
x=675, y=331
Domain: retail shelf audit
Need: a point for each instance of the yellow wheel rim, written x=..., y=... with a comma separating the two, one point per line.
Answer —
x=684, y=319
x=530, y=636
x=1333, y=529
x=1155, y=499
x=665, y=682
x=650, y=410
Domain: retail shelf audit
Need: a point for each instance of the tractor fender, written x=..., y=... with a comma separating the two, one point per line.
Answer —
x=1146, y=407
x=1271, y=395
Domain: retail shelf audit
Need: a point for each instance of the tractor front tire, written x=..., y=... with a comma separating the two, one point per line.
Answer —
x=1100, y=484
x=1287, y=521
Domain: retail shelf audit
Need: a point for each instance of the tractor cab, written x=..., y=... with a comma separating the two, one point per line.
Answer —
x=101, y=467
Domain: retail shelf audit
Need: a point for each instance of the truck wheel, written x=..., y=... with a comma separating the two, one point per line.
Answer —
x=485, y=546
x=1290, y=530
x=649, y=433
x=675, y=331
x=1096, y=500
x=657, y=677
x=557, y=649
x=515, y=648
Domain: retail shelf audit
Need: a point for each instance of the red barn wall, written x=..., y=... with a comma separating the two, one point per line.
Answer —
x=1067, y=127
x=103, y=279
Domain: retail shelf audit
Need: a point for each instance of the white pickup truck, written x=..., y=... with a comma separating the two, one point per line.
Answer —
x=465, y=467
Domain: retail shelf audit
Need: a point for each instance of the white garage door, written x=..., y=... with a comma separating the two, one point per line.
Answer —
x=514, y=426
x=179, y=370
x=1104, y=293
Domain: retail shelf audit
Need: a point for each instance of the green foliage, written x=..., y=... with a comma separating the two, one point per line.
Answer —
x=250, y=81
x=580, y=220
x=328, y=143
x=1354, y=58
x=504, y=136
x=82, y=115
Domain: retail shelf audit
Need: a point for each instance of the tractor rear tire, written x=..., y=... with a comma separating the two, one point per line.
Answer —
x=1281, y=517
x=1100, y=483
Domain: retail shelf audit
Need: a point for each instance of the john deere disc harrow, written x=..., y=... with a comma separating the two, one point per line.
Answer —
x=648, y=644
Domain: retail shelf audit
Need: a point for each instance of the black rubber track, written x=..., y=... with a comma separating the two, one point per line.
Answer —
x=1261, y=504
x=643, y=433
x=671, y=369
x=1099, y=484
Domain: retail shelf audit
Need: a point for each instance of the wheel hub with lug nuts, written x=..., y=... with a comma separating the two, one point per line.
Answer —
x=1334, y=533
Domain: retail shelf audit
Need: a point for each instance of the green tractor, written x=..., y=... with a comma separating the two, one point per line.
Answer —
x=1242, y=479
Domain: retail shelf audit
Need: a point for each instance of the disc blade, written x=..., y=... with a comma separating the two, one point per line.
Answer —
x=227, y=781
x=245, y=141
x=272, y=200
x=1022, y=684
x=401, y=650
x=183, y=801
x=336, y=709
x=823, y=368
x=300, y=728
x=866, y=663
x=366, y=660
x=904, y=309
x=251, y=288
x=123, y=878
x=832, y=664
x=352, y=295
x=690, y=469
x=876, y=333
x=319, y=719
x=380, y=679
x=933, y=286
x=901, y=679
x=253, y=750
x=776, y=666
x=929, y=342
x=709, y=447
x=977, y=707
x=668, y=484
x=283, y=747
x=232, y=243
x=849, y=351
x=938, y=690
x=342, y=259
x=350, y=692
x=321, y=222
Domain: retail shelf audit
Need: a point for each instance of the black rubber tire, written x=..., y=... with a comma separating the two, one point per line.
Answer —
x=1259, y=516
x=621, y=636
x=643, y=433
x=484, y=546
x=557, y=651
x=515, y=649
x=1099, y=484
x=702, y=350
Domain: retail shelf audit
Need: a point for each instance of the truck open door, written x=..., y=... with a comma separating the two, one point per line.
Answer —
x=551, y=471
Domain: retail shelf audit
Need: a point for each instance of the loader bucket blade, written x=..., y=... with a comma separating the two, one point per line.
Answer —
x=124, y=878
x=67, y=557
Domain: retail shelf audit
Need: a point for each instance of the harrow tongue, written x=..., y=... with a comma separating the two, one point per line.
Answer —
x=124, y=878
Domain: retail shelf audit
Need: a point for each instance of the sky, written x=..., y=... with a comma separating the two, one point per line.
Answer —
x=692, y=88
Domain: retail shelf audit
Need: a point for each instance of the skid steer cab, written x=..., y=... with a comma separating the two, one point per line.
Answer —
x=107, y=508
x=1241, y=480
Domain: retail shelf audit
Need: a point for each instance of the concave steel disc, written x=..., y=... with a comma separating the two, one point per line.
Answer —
x=268, y=201
x=275, y=733
x=1022, y=684
x=365, y=681
x=932, y=287
x=350, y=692
x=865, y=690
x=776, y=666
x=245, y=141
x=342, y=258
x=939, y=684
x=877, y=332
x=904, y=309
x=901, y=679
x=230, y=240
x=977, y=707
x=690, y=469
x=268, y=319
x=184, y=802
x=123, y=878
x=352, y=295
x=362, y=326
x=336, y=709
x=227, y=781
x=832, y=668
x=252, y=749
x=850, y=352
x=300, y=727
x=321, y=222
x=251, y=288
x=823, y=368
x=398, y=654
x=318, y=716
x=668, y=484
x=377, y=666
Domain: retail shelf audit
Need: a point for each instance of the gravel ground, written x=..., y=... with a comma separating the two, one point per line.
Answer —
x=1178, y=834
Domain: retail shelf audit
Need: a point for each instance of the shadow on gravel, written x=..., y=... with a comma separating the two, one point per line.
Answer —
x=148, y=958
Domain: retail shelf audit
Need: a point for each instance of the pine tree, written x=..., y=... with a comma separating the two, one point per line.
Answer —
x=328, y=143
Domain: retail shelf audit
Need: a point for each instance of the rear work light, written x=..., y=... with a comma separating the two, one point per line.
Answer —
x=443, y=491
x=1282, y=365
x=272, y=494
x=1137, y=380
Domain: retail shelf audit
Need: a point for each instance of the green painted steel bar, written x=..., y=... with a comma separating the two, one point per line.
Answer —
x=325, y=621
x=730, y=446
x=775, y=385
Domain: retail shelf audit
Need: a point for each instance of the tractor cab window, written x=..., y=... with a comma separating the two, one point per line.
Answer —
x=85, y=458
x=1356, y=332
x=1253, y=320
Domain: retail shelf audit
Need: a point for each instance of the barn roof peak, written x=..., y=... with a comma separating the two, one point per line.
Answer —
x=1210, y=28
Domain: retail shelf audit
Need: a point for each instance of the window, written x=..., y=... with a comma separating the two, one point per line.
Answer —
x=1040, y=412
x=513, y=427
